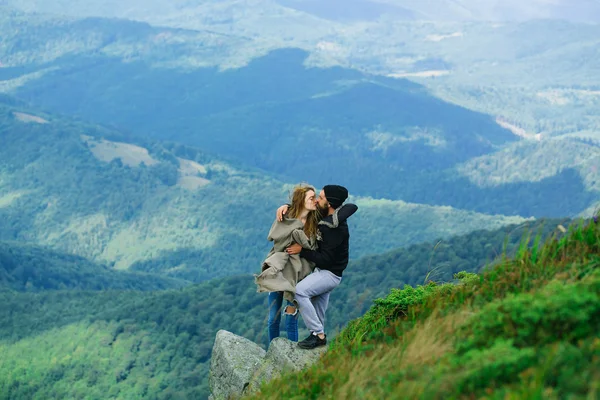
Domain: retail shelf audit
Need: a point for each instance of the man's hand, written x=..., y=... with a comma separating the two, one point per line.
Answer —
x=294, y=249
x=281, y=212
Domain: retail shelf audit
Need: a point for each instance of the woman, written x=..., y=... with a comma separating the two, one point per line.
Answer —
x=281, y=271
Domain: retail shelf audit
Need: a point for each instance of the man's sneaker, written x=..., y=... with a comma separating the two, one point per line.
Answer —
x=312, y=341
x=310, y=335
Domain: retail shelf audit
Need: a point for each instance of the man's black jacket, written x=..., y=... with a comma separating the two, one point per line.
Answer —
x=332, y=254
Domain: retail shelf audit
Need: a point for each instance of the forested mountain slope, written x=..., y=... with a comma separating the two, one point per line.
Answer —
x=158, y=344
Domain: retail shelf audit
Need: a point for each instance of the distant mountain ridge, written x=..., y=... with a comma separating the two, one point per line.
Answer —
x=385, y=138
x=160, y=12
x=587, y=11
x=164, y=207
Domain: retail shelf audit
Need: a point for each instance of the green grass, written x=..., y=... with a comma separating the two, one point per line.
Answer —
x=526, y=328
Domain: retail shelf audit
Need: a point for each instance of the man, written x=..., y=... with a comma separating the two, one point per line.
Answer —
x=331, y=259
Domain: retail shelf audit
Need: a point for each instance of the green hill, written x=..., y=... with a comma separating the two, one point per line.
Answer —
x=58, y=344
x=527, y=328
x=25, y=267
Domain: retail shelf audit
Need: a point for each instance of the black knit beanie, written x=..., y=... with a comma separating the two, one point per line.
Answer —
x=336, y=195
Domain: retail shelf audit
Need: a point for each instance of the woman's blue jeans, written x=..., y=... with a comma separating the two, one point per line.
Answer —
x=291, y=321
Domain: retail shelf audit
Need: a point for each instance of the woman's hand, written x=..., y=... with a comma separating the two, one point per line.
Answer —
x=294, y=249
x=281, y=212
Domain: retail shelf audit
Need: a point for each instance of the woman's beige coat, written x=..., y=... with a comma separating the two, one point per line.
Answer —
x=281, y=271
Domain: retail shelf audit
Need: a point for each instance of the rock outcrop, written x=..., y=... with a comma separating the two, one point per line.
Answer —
x=233, y=363
x=239, y=366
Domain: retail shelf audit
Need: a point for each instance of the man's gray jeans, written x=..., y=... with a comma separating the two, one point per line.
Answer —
x=312, y=295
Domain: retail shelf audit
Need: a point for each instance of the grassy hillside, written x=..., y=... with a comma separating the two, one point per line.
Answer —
x=25, y=267
x=372, y=277
x=157, y=344
x=527, y=328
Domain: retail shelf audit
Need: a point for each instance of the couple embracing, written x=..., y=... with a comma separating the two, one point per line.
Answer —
x=310, y=252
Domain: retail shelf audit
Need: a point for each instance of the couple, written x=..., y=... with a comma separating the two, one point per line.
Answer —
x=310, y=251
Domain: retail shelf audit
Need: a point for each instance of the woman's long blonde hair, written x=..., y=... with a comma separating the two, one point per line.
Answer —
x=297, y=198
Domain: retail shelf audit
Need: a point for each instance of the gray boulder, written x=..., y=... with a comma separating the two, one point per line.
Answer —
x=283, y=356
x=239, y=366
x=233, y=362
